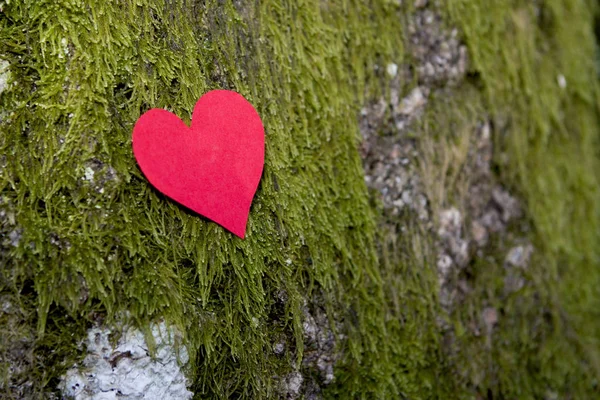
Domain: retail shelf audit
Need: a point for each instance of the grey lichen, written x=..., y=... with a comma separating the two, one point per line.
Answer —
x=127, y=370
x=4, y=75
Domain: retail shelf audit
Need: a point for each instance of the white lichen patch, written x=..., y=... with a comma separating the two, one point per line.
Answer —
x=562, y=81
x=4, y=75
x=126, y=370
x=89, y=174
x=64, y=48
x=392, y=70
x=292, y=385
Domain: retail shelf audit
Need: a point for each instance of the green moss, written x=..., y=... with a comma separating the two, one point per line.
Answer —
x=84, y=72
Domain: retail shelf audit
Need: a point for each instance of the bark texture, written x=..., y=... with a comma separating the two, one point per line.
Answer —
x=427, y=224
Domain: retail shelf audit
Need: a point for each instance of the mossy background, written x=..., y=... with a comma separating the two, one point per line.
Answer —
x=79, y=246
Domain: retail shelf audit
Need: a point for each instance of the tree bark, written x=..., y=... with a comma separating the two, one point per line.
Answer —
x=427, y=224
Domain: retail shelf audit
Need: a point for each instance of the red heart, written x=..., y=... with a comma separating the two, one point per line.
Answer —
x=212, y=167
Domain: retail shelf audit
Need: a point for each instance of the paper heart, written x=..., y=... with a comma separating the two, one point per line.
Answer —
x=212, y=167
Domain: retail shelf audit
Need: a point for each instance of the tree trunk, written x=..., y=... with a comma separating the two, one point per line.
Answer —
x=427, y=224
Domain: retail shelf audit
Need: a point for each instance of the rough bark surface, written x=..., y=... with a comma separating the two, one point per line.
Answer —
x=427, y=224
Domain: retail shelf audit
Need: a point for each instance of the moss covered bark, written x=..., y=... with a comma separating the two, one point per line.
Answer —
x=86, y=239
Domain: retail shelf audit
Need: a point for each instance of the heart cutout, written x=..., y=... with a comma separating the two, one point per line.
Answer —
x=212, y=167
